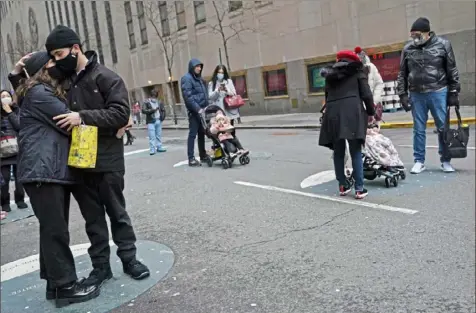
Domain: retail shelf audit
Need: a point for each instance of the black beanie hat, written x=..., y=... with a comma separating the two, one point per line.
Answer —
x=36, y=62
x=422, y=24
x=61, y=37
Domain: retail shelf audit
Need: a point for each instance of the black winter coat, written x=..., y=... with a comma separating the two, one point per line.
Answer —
x=345, y=117
x=101, y=98
x=43, y=146
x=150, y=112
x=428, y=67
x=10, y=125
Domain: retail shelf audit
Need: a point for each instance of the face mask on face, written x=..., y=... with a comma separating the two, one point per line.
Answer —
x=419, y=40
x=220, y=76
x=56, y=73
x=68, y=64
x=7, y=100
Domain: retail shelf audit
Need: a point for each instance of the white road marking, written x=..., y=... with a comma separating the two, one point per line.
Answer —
x=319, y=178
x=431, y=147
x=328, y=198
x=181, y=163
x=135, y=152
x=31, y=263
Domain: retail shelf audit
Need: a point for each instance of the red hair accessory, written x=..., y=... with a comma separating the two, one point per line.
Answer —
x=358, y=50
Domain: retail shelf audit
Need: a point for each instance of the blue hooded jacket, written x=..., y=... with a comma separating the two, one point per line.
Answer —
x=194, y=90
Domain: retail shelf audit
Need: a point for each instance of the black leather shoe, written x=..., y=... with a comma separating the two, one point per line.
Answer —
x=75, y=293
x=136, y=270
x=98, y=277
x=50, y=292
x=22, y=205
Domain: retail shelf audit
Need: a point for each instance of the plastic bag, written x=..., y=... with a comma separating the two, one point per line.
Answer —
x=84, y=147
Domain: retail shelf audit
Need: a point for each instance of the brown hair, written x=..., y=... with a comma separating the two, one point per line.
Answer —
x=41, y=77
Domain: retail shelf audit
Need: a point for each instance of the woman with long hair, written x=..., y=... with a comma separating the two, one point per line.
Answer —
x=43, y=170
x=9, y=126
x=345, y=117
x=219, y=87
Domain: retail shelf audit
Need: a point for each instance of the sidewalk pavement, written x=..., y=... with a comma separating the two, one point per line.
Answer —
x=399, y=119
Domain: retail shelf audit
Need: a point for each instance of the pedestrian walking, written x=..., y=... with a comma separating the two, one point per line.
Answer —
x=195, y=96
x=428, y=81
x=98, y=97
x=345, y=117
x=9, y=127
x=44, y=172
x=154, y=111
x=136, y=111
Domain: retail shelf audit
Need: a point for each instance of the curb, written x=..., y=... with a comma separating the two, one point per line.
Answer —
x=392, y=125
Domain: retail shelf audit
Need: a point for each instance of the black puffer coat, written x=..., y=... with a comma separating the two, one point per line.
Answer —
x=43, y=146
x=428, y=67
x=9, y=126
x=347, y=88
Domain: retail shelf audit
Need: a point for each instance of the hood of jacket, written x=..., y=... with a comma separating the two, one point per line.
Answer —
x=192, y=64
x=342, y=70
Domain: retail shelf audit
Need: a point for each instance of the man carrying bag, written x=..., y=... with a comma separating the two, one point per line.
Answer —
x=455, y=141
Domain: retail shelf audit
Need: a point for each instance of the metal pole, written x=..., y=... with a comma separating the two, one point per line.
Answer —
x=219, y=53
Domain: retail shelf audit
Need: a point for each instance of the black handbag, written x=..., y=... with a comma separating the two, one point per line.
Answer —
x=455, y=141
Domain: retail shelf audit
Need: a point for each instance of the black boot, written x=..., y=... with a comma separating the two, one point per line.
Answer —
x=136, y=270
x=6, y=207
x=50, y=291
x=194, y=162
x=75, y=293
x=98, y=276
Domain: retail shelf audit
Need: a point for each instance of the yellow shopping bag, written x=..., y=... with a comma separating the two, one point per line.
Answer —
x=84, y=147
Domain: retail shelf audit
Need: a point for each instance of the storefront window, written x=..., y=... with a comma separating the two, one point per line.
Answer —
x=316, y=82
x=388, y=64
x=240, y=86
x=275, y=83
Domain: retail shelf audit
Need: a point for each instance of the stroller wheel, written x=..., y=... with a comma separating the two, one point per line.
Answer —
x=387, y=182
x=242, y=160
x=209, y=162
x=395, y=181
x=246, y=159
x=224, y=164
x=403, y=175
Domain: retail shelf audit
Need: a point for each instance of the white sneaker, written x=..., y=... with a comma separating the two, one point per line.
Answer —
x=447, y=167
x=418, y=168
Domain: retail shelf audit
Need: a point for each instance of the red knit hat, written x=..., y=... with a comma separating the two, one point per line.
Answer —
x=347, y=54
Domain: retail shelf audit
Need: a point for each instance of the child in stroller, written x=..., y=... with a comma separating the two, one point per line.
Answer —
x=226, y=147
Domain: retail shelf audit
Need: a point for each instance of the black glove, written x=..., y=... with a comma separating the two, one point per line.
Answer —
x=406, y=105
x=453, y=99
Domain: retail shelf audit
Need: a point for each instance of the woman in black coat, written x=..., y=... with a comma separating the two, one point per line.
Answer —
x=8, y=130
x=43, y=170
x=345, y=118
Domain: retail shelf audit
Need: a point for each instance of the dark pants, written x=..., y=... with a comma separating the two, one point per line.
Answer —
x=50, y=202
x=102, y=193
x=195, y=128
x=5, y=192
x=355, y=147
x=231, y=145
x=129, y=136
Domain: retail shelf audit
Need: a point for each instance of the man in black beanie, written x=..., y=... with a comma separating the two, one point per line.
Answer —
x=98, y=97
x=428, y=81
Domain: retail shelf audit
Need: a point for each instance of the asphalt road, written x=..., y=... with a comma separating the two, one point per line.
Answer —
x=245, y=249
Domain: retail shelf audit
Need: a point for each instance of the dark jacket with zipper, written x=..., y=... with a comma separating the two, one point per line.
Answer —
x=428, y=67
x=43, y=146
x=150, y=112
x=194, y=89
x=347, y=90
x=100, y=97
x=10, y=125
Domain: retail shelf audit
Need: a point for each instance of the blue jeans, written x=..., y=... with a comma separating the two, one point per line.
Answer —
x=355, y=148
x=155, y=135
x=435, y=102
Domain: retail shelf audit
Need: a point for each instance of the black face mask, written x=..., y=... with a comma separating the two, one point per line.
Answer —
x=56, y=74
x=68, y=64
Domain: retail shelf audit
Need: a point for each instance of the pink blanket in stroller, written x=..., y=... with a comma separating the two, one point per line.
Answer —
x=381, y=149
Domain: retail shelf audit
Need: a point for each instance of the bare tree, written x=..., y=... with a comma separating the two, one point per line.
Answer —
x=161, y=14
x=227, y=28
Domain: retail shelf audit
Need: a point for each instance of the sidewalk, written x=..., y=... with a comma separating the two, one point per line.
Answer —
x=400, y=119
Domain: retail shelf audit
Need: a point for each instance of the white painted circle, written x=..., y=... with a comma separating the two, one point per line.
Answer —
x=319, y=179
x=31, y=263
x=181, y=163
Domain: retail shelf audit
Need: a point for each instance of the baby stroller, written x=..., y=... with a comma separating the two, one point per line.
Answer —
x=219, y=150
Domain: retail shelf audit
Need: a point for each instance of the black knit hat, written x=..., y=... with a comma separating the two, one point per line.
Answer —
x=61, y=37
x=36, y=62
x=422, y=24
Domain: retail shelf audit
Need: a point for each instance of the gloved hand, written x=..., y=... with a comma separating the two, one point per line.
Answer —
x=452, y=99
x=406, y=105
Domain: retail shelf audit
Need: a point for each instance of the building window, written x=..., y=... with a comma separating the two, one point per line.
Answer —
x=130, y=25
x=180, y=11
x=48, y=17
x=75, y=17
x=200, y=14
x=234, y=5
x=316, y=82
x=240, y=85
x=66, y=12
x=97, y=31
x=53, y=12
x=60, y=13
x=142, y=22
x=164, y=18
x=85, y=25
x=275, y=83
x=110, y=30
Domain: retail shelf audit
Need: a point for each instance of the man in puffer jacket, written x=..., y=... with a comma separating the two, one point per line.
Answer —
x=195, y=96
x=428, y=71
